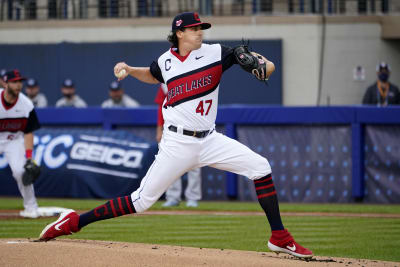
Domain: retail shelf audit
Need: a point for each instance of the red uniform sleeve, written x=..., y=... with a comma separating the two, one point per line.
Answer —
x=159, y=100
x=159, y=97
x=160, y=118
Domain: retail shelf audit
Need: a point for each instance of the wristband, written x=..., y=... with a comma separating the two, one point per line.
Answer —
x=28, y=153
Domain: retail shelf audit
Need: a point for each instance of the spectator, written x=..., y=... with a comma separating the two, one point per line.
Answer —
x=33, y=92
x=118, y=99
x=382, y=92
x=70, y=99
x=174, y=192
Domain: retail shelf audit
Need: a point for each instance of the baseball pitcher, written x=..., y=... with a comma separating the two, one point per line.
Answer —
x=192, y=71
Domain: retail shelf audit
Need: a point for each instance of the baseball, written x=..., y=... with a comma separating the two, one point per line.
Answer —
x=121, y=73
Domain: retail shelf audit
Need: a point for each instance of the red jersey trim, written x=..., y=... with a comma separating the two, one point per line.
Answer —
x=193, y=84
x=3, y=101
x=181, y=58
x=13, y=125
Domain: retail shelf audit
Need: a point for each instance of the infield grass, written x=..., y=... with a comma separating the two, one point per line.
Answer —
x=353, y=237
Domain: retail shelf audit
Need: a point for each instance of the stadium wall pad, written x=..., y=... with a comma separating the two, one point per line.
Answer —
x=317, y=154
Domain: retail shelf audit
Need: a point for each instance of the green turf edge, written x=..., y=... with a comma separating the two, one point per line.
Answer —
x=7, y=203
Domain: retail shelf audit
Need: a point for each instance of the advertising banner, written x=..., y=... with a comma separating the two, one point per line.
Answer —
x=85, y=163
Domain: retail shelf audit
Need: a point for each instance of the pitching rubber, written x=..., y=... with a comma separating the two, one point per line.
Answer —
x=277, y=249
x=62, y=216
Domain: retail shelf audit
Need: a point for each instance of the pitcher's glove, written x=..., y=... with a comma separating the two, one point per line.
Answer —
x=32, y=172
x=251, y=62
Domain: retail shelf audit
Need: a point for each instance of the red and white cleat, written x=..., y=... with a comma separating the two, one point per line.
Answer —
x=282, y=241
x=66, y=224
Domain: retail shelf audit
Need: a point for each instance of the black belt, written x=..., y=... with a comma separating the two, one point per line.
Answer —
x=197, y=134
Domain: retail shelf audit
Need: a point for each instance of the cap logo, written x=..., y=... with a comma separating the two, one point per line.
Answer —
x=68, y=82
x=178, y=23
x=196, y=16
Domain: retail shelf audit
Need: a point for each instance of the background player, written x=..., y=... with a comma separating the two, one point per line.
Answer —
x=17, y=122
x=174, y=192
x=192, y=71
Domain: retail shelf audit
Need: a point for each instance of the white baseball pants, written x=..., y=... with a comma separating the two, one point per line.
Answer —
x=14, y=152
x=193, y=188
x=180, y=153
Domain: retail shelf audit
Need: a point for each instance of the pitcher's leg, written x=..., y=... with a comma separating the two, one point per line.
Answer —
x=228, y=154
x=162, y=173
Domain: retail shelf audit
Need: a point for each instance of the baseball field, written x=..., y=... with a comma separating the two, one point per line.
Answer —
x=214, y=234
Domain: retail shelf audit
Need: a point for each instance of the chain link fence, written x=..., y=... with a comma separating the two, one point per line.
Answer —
x=95, y=9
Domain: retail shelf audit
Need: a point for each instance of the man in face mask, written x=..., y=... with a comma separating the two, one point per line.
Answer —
x=70, y=99
x=382, y=92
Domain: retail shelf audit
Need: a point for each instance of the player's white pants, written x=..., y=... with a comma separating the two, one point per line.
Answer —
x=14, y=152
x=180, y=153
x=193, y=188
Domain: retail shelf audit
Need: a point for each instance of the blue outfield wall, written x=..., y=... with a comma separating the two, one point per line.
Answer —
x=317, y=154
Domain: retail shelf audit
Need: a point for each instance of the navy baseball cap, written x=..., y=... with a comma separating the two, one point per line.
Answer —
x=13, y=76
x=188, y=19
x=32, y=82
x=68, y=83
x=115, y=86
x=383, y=66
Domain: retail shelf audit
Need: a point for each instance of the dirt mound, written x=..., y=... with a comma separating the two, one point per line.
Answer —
x=68, y=252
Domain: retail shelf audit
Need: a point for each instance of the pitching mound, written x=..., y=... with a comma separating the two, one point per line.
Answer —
x=68, y=252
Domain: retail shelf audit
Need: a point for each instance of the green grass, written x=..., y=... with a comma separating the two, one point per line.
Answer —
x=355, y=237
x=7, y=203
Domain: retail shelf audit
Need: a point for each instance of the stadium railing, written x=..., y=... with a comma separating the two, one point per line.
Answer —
x=92, y=9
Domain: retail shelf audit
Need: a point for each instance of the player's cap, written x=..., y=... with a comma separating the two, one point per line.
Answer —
x=188, y=19
x=115, y=86
x=13, y=76
x=383, y=66
x=31, y=82
x=68, y=83
x=2, y=73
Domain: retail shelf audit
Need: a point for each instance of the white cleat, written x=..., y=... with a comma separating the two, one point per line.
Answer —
x=192, y=204
x=31, y=214
x=171, y=203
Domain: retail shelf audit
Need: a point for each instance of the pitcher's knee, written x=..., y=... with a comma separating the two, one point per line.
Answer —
x=260, y=169
x=141, y=202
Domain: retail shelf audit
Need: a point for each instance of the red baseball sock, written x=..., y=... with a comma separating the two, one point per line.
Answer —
x=113, y=208
x=268, y=200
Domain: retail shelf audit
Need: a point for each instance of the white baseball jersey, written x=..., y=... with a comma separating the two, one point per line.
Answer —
x=193, y=85
x=16, y=119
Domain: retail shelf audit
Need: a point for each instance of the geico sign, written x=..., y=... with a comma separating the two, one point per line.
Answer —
x=105, y=154
x=53, y=152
